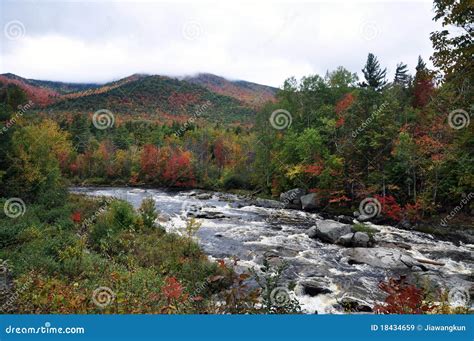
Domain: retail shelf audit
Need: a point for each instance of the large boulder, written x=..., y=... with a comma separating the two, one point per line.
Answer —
x=309, y=201
x=267, y=203
x=292, y=198
x=358, y=239
x=329, y=230
x=381, y=257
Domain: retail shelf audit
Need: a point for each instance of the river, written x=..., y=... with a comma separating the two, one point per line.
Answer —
x=324, y=274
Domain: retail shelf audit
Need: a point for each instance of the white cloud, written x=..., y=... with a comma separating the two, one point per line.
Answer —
x=265, y=42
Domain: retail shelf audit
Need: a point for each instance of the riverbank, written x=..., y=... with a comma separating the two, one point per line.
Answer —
x=326, y=277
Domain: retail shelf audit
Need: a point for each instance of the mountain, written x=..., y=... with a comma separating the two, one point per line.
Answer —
x=153, y=97
x=41, y=92
x=159, y=97
x=252, y=94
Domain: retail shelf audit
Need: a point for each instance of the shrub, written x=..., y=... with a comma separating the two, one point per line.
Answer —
x=148, y=212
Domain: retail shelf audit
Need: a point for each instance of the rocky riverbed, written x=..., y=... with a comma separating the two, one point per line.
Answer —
x=333, y=263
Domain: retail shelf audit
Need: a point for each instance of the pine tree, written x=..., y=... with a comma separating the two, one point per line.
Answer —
x=402, y=77
x=373, y=74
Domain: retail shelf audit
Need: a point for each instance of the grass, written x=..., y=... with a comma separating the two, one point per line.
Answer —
x=364, y=228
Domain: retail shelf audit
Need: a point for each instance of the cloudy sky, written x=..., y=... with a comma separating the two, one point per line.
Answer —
x=260, y=41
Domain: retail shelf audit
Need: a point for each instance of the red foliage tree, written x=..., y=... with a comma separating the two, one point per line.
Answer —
x=178, y=170
x=149, y=161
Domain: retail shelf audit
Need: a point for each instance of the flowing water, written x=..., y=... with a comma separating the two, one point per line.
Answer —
x=323, y=273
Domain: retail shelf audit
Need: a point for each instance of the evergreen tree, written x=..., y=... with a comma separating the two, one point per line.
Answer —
x=402, y=77
x=373, y=74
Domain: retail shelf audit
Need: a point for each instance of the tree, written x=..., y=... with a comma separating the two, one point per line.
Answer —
x=373, y=74
x=148, y=212
x=454, y=50
x=423, y=84
x=35, y=160
x=402, y=77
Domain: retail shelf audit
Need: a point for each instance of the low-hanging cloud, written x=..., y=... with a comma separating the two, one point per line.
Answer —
x=261, y=42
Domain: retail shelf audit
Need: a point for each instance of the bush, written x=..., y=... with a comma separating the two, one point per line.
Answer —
x=148, y=212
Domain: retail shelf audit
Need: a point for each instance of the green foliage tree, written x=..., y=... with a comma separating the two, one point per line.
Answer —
x=373, y=74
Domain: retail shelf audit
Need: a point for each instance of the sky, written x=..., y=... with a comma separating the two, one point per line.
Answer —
x=260, y=41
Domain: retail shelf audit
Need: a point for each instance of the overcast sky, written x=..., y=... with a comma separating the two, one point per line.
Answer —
x=261, y=41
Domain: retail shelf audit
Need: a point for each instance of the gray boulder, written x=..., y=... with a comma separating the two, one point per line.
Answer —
x=358, y=239
x=345, y=240
x=267, y=203
x=309, y=201
x=329, y=230
x=291, y=198
x=361, y=239
x=382, y=258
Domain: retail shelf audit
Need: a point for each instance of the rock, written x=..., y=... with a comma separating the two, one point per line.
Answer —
x=361, y=239
x=266, y=203
x=204, y=214
x=309, y=201
x=291, y=198
x=314, y=287
x=311, y=233
x=356, y=214
x=362, y=218
x=329, y=230
x=345, y=240
x=352, y=304
x=344, y=219
x=203, y=196
x=382, y=258
x=358, y=239
x=405, y=224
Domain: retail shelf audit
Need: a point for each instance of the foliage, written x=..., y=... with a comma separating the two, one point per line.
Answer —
x=148, y=212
